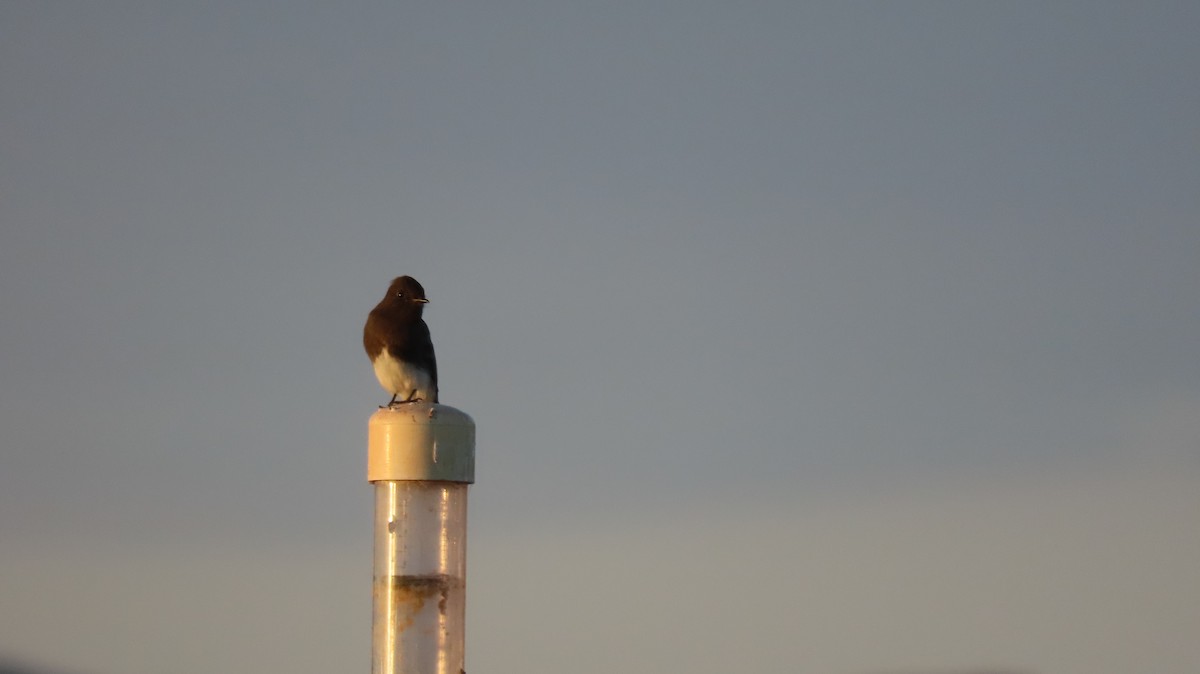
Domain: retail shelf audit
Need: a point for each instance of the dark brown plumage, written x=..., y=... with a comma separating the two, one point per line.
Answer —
x=397, y=341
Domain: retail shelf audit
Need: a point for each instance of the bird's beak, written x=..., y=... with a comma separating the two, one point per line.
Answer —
x=423, y=301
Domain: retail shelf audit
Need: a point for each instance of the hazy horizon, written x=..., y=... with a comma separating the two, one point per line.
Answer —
x=830, y=337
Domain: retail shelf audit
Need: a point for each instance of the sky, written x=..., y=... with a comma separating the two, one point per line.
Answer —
x=819, y=337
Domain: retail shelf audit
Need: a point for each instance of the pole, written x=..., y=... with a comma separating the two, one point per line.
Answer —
x=420, y=459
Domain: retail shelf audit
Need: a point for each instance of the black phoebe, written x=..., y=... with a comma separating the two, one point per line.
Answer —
x=397, y=341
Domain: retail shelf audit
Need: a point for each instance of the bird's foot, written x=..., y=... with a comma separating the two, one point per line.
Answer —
x=396, y=403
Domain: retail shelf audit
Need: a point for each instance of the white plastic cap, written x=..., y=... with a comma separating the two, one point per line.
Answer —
x=421, y=441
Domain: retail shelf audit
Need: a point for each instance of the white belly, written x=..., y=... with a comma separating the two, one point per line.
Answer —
x=402, y=379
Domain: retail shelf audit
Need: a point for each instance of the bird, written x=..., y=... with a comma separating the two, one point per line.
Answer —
x=398, y=343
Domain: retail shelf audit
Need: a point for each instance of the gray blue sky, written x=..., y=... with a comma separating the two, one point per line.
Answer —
x=831, y=337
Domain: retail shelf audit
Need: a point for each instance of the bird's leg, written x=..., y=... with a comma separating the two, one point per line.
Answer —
x=390, y=403
x=410, y=399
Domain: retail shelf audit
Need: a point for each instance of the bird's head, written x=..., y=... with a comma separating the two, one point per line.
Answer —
x=405, y=292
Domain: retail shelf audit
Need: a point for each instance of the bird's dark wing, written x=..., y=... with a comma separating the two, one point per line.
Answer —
x=419, y=349
x=373, y=337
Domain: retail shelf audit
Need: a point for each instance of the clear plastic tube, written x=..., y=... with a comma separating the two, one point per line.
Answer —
x=420, y=590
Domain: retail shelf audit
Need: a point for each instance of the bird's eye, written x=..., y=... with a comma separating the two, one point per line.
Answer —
x=399, y=294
